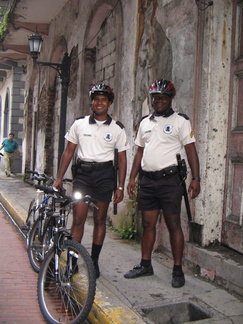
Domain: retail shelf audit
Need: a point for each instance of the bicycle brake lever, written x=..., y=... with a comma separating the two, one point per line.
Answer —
x=94, y=205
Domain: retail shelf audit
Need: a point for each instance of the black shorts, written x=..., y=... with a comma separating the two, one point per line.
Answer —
x=165, y=194
x=99, y=184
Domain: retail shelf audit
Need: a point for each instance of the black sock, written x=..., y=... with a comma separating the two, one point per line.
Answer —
x=95, y=252
x=177, y=268
x=145, y=263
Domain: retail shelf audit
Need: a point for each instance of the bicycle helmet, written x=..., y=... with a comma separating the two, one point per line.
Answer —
x=101, y=89
x=164, y=87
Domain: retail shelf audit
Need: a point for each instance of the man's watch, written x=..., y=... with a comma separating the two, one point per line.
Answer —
x=198, y=179
x=120, y=188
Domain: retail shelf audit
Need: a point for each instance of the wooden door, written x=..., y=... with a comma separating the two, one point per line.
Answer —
x=232, y=229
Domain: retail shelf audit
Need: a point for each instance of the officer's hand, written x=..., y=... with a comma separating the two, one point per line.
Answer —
x=131, y=188
x=57, y=184
x=118, y=196
x=194, y=189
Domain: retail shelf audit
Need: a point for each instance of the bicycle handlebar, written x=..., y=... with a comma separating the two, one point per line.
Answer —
x=31, y=172
x=38, y=176
x=43, y=177
x=48, y=190
x=61, y=194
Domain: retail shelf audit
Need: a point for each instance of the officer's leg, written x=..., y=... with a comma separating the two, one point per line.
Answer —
x=80, y=211
x=149, y=221
x=100, y=222
x=173, y=223
x=99, y=233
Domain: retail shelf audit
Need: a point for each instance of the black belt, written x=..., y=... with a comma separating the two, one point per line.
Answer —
x=93, y=166
x=156, y=175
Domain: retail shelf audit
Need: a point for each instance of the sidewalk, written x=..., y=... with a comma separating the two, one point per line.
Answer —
x=142, y=300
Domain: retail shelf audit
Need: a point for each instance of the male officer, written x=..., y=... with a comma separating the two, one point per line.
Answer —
x=95, y=137
x=160, y=137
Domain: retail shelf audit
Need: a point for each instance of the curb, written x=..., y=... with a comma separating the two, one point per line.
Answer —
x=108, y=309
x=18, y=214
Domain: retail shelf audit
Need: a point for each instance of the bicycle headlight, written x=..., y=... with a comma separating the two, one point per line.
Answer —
x=77, y=195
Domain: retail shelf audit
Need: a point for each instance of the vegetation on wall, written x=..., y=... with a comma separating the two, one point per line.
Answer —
x=4, y=26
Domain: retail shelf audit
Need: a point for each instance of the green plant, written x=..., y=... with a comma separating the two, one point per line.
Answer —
x=4, y=26
x=128, y=233
x=113, y=229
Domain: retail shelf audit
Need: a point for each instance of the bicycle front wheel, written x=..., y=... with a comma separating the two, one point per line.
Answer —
x=68, y=297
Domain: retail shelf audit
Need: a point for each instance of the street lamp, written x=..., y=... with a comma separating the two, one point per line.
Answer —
x=35, y=43
x=63, y=69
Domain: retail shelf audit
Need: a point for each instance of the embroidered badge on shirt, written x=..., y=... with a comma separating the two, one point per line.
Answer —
x=192, y=133
x=168, y=129
x=108, y=137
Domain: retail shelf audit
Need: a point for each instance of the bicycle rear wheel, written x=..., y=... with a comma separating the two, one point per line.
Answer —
x=39, y=242
x=71, y=298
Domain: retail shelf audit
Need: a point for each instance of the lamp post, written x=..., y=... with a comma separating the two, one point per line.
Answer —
x=63, y=69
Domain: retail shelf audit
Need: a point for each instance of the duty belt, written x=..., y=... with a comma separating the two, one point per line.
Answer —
x=93, y=166
x=156, y=175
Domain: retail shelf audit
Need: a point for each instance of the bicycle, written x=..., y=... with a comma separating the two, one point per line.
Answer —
x=39, y=200
x=66, y=281
x=39, y=239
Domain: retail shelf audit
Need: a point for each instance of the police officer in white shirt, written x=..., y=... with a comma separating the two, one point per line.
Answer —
x=94, y=139
x=161, y=136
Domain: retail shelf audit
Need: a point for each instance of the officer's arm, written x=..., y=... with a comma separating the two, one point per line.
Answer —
x=192, y=157
x=134, y=171
x=65, y=160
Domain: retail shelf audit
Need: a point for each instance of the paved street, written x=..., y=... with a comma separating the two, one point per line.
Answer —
x=18, y=299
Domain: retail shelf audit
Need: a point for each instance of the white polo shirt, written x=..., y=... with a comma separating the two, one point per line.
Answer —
x=162, y=138
x=96, y=142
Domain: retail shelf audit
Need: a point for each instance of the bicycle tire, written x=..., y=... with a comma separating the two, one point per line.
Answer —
x=31, y=218
x=69, y=300
x=38, y=243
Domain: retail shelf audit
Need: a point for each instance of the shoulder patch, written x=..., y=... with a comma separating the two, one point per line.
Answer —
x=120, y=124
x=183, y=115
x=80, y=117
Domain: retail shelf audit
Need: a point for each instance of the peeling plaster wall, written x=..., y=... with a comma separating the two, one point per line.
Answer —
x=178, y=20
x=157, y=39
x=213, y=116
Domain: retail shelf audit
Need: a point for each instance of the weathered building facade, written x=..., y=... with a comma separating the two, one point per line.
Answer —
x=129, y=44
x=12, y=105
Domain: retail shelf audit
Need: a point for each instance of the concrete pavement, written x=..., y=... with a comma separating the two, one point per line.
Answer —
x=146, y=299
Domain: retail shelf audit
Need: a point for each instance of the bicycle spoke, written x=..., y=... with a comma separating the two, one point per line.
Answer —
x=70, y=298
